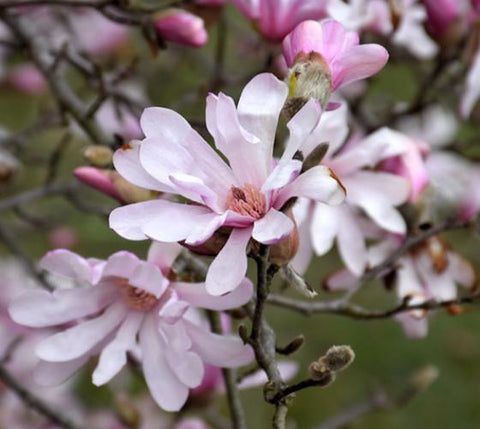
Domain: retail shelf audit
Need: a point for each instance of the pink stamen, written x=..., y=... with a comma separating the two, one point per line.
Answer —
x=247, y=201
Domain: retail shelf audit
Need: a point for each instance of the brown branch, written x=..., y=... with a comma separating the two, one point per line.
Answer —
x=354, y=311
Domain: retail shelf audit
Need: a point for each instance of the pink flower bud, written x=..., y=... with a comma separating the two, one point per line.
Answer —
x=441, y=14
x=181, y=27
x=97, y=179
x=28, y=79
x=62, y=236
x=340, y=51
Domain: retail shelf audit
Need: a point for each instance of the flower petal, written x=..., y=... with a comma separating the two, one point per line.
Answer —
x=165, y=387
x=228, y=269
x=272, y=228
x=219, y=350
x=77, y=341
x=114, y=356
x=39, y=308
x=197, y=295
x=68, y=264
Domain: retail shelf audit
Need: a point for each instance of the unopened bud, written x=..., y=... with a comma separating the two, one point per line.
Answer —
x=129, y=192
x=98, y=155
x=283, y=252
x=320, y=373
x=127, y=413
x=180, y=26
x=292, y=346
x=338, y=358
x=97, y=179
x=424, y=377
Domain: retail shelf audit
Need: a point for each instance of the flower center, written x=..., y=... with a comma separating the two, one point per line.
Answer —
x=247, y=201
x=136, y=298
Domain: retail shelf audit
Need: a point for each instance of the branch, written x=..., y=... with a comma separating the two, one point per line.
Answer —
x=35, y=402
x=354, y=311
x=230, y=378
x=38, y=53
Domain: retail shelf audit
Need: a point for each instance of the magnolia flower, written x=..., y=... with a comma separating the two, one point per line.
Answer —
x=122, y=298
x=431, y=271
x=339, y=50
x=247, y=196
x=275, y=19
x=28, y=79
x=453, y=180
x=373, y=192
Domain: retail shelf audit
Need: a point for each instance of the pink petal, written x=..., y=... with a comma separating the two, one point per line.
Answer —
x=114, y=356
x=163, y=255
x=341, y=280
x=55, y=373
x=121, y=264
x=377, y=193
x=165, y=387
x=228, y=269
x=259, y=107
x=358, y=63
x=186, y=365
x=272, y=228
x=68, y=264
x=127, y=162
x=325, y=226
x=149, y=278
x=197, y=295
x=351, y=243
x=75, y=342
x=39, y=308
x=219, y=350
x=317, y=184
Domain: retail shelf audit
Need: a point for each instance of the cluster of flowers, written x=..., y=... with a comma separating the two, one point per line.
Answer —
x=333, y=182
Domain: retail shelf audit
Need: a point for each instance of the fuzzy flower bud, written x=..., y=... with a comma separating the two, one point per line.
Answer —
x=324, y=56
x=338, y=358
x=179, y=26
x=98, y=155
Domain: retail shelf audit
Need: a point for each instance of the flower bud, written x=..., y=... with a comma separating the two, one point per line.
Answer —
x=97, y=179
x=28, y=79
x=98, y=155
x=296, y=281
x=179, y=26
x=129, y=193
x=338, y=358
x=320, y=373
x=283, y=252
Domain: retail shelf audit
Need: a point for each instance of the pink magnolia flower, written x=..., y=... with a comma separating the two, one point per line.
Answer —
x=430, y=272
x=369, y=191
x=358, y=15
x=345, y=59
x=275, y=19
x=247, y=195
x=442, y=14
x=454, y=180
x=122, y=298
x=180, y=26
